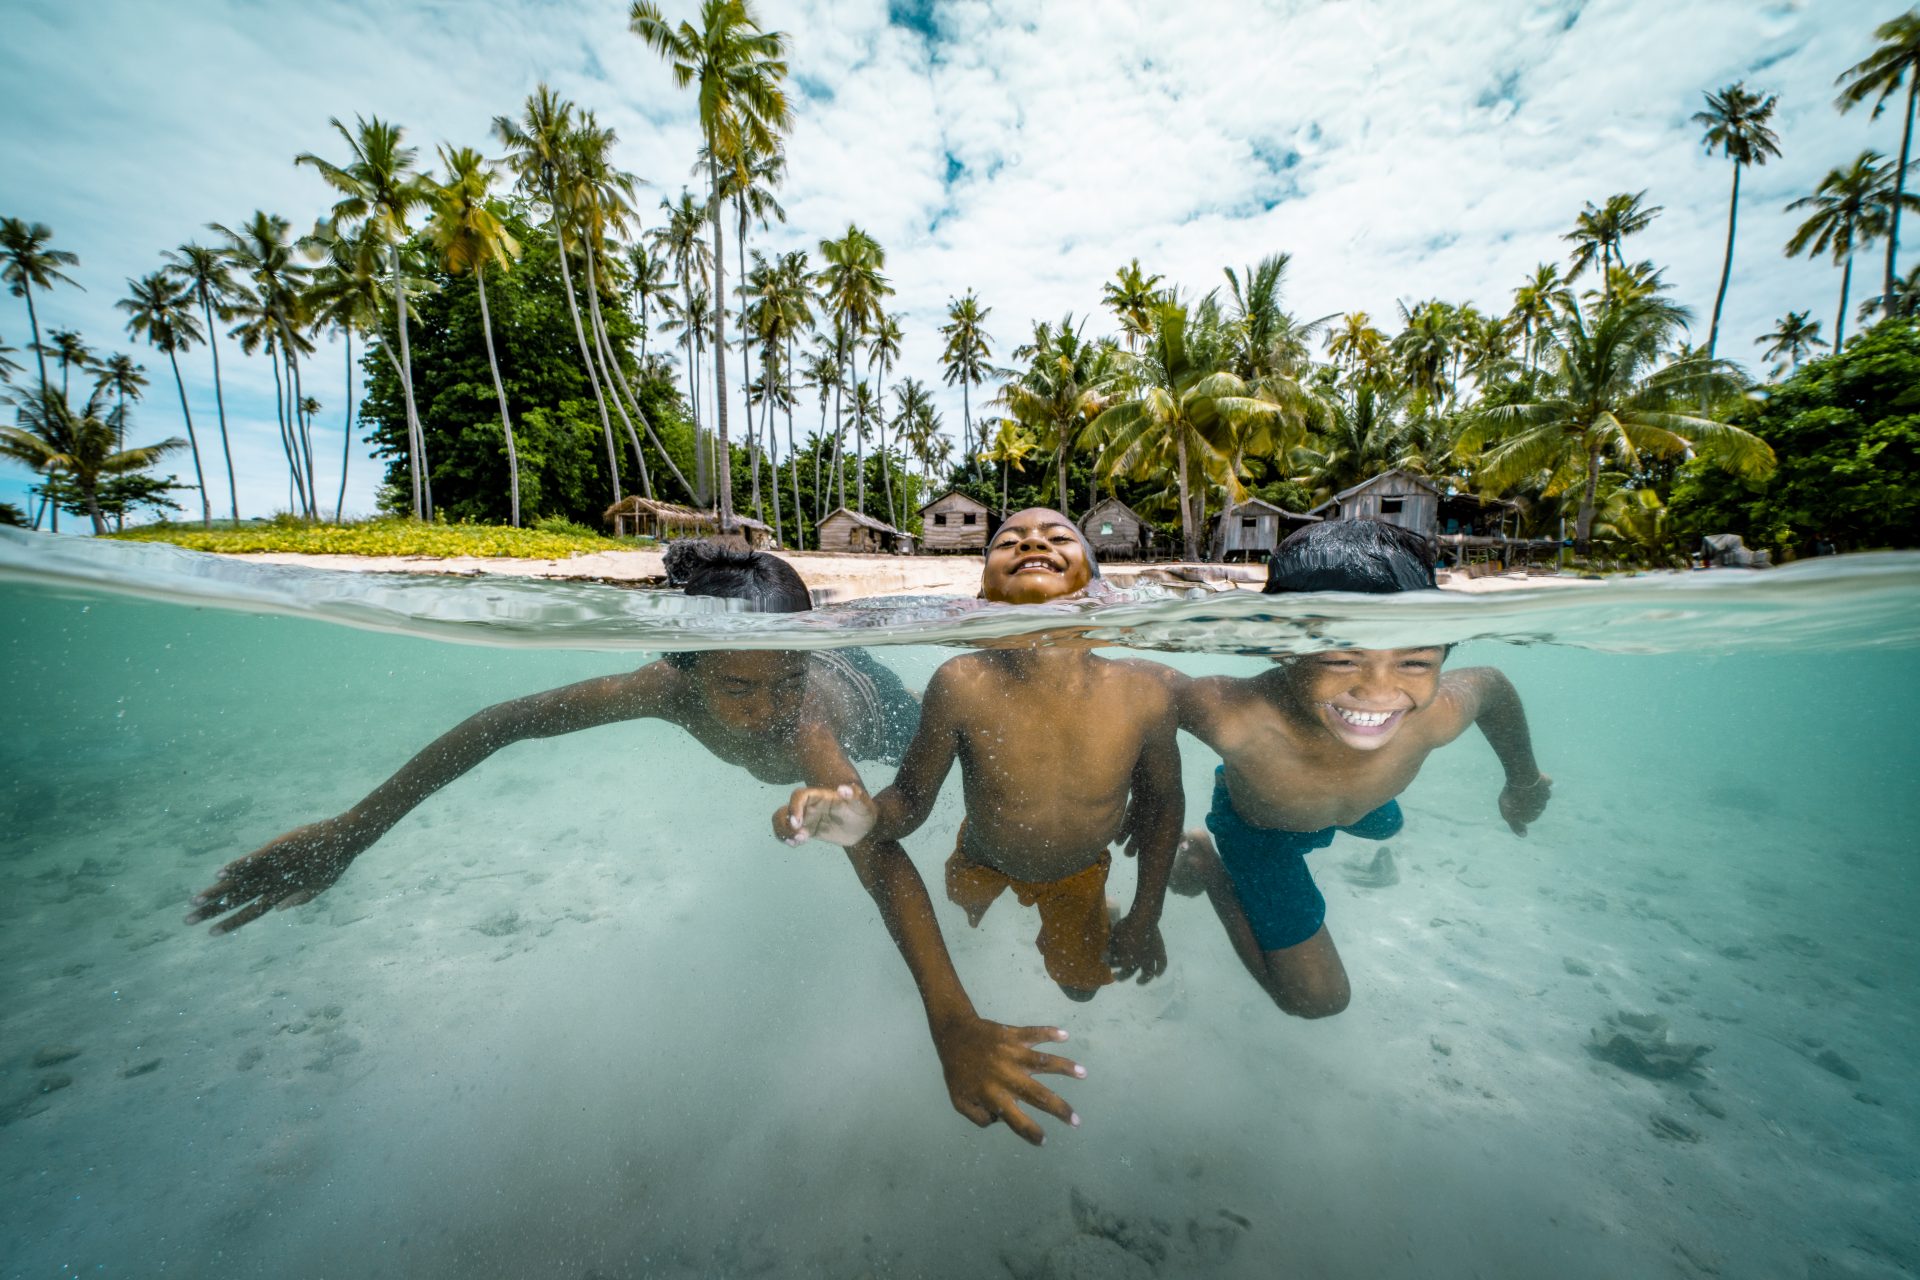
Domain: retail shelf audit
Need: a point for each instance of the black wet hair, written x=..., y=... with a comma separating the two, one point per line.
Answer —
x=728, y=571
x=706, y=567
x=1351, y=555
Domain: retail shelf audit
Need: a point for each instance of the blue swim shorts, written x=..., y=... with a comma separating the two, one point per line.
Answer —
x=1268, y=867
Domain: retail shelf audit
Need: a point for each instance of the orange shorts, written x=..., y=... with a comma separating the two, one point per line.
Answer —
x=1073, y=914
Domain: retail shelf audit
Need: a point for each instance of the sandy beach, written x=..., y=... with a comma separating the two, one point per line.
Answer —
x=837, y=577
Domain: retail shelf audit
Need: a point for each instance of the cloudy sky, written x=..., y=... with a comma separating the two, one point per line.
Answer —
x=1397, y=150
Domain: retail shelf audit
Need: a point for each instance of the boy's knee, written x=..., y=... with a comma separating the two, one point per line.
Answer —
x=1313, y=1004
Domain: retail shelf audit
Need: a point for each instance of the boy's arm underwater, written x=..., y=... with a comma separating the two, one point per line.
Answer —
x=1488, y=698
x=297, y=866
x=846, y=814
x=1155, y=811
x=989, y=1067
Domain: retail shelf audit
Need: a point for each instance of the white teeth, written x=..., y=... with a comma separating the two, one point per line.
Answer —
x=1363, y=719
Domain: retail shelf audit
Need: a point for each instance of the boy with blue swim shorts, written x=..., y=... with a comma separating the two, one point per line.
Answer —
x=1321, y=743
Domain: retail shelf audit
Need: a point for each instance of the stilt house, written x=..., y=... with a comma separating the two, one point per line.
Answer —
x=954, y=522
x=1250, y=530
x=1115, y=531
x=845, y=530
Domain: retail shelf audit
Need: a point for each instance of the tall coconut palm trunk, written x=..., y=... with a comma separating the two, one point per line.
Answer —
x=220, y=401
x=586, y=356
x=1726, y=264
x=304, y=436
x=793, y=455
x=281, y=417
x=416, y=441
x=1189, y=536
x=199, y=476
x=1583, y=519
x=346, y=433
x=773, y=467
x=607, y=365
x=1840, y=318
x=499, y=390
x=618, y=377
x=1900, y=193
x=724, y=457
x=886, y=471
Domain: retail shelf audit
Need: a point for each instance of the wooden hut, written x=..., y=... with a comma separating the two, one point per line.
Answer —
x=954, y=522
x=1250, y=530
x=845, y=530
x=1115, y=531
x=637, y=517
x=1393, y=497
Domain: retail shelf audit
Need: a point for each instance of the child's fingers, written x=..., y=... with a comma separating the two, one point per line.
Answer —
x=1034, y=1035
x=1035, y=1094
x=1053, y=1064
x=239, y=918
x=1022, y=1124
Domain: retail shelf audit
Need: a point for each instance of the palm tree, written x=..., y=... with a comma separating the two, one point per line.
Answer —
x=56, y=439
x=69, y=349
x=748, y=178
x=1060, y=393
x=882, y=355
x=1011, y=448
x=964, y=360
x=852, y=288
x=1365, y=432
x=1180, y=406
x=1609, y=395
x=1902, y=304
x=468, y=235
x=379, y=187
x=543, y=156
x=159, y=310
x=789, y=312
x=1357, y=344
x=347, y=296
x=678, y=241
x=1736, y=124
x=600, y=196
x=30, y=264
x=648, y=279
x=123, y=379
x=1879, y=76
x=205, y=271
x=8, y=366
x=1603, y=230
x=271, y=314
x=737, y=69
x=1424, y=347
x=1533, y=307
x=823, y=375
x=1130, y=295
x=1851, y=208
x=1793, y=339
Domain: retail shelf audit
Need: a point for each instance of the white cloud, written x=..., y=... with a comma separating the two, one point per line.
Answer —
x=1398, y=152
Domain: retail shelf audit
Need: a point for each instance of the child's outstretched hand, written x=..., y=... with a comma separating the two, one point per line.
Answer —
x=1521, y=805
x=990, y=1069
x=839, y=815
x=283, y=873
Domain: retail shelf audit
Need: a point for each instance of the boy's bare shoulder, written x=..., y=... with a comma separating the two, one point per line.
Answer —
x=1154, y=684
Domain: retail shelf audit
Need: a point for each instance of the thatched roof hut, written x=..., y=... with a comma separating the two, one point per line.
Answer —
x=844, y=530
x=635, y=516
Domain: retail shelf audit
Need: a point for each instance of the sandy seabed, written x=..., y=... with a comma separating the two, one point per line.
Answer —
x=578, y=1016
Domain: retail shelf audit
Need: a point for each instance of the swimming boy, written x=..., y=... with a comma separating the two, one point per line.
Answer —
x=1052, y=742
x=1322, y=743
x=782, y=716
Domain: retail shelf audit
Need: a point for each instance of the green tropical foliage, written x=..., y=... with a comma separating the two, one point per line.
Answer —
x=1845, y=430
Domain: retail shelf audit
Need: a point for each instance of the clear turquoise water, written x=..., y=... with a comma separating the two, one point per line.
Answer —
x=579, y=1016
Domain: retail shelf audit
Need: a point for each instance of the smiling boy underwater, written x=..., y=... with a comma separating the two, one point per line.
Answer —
x=1322, y=743
x=1052, y=743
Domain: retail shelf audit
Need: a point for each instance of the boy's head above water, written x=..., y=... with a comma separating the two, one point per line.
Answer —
x=1351, y=555
x=749, y=691
x=1037, y=555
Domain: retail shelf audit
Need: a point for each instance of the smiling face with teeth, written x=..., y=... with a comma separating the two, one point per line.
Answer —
x=1362, y=697
x=1036, y=556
